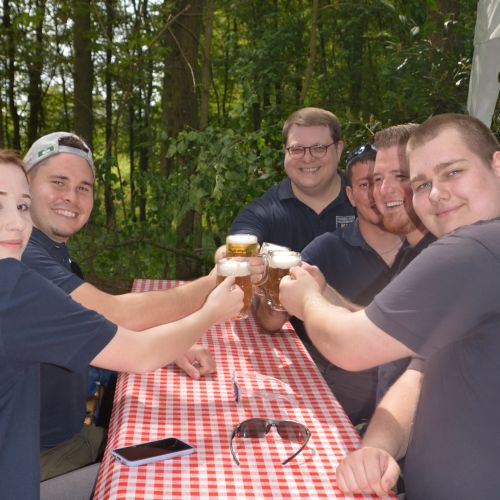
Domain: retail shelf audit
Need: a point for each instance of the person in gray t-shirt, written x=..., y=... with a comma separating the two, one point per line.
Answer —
x=444, y=307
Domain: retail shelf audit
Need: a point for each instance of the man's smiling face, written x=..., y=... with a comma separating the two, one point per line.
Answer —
x=62, y=195
x=392, y=191
x=452, y=186
x=311, y=175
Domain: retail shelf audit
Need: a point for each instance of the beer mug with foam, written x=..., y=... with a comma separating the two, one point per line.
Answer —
x=239, y=267
x=280, y=262
x=242, y=245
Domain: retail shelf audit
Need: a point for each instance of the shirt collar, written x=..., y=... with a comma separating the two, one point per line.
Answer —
x=285, y=191
x=45, y=241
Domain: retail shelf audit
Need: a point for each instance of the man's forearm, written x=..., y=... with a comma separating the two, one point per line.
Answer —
x=337, y=299
x=391, y=424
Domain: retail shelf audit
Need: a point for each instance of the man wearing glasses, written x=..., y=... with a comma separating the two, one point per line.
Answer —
x=311, y=200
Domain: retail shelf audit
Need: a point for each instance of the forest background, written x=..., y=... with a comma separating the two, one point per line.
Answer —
x=183, y=102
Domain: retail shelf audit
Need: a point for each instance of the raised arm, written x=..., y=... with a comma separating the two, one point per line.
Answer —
x=158, y=346
x=373, y=467
x=138, y=311
x=347, y=339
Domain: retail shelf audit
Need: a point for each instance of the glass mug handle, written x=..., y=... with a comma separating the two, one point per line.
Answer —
x=256, y=262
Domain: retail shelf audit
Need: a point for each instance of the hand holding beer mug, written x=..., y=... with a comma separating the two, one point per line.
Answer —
x=280, y=262
x=239, y=267
x=242, y=245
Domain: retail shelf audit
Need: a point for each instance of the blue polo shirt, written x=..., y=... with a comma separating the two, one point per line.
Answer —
x=60, y=417
x=39, y=323
x=349, y=264
x=280, y=217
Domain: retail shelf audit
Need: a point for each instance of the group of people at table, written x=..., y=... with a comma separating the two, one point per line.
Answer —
x=396, y=301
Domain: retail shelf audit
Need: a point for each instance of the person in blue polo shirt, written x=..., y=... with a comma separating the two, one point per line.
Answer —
x=39, y=323
x=61, y=174
x=312, y=199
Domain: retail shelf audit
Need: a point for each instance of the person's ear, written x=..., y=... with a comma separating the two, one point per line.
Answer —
x=340, y=147
x=348, y=192
x=495, y=163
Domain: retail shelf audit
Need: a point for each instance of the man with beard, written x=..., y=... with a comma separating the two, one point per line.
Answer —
x=393, y=196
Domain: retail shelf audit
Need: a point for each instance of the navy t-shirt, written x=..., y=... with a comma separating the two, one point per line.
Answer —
x=281, y=218
x=60, y=417
x=445, y=306
x=39, y=323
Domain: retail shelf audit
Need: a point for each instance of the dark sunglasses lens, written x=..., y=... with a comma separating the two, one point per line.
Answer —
x=292, y=431
x=236, y=392
x=253, y=428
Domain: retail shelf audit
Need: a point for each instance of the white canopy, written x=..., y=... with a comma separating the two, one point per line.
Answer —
x=484, y=83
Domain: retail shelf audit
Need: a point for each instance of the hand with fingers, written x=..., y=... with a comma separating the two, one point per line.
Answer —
x=295, y=288
x=196, y=362
x=225, y=301
x=368, y=470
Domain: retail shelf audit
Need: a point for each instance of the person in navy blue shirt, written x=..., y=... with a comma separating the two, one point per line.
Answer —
x=39, y=323
x=312, y=199
x=61, y=174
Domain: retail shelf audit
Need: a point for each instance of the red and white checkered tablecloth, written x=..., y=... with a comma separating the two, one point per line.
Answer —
x=203, y=413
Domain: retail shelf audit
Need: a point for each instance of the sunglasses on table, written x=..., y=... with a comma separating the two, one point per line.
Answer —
x=256, y=428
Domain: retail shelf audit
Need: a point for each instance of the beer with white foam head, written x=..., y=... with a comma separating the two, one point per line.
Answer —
x=280, y=262
x=242, y=245
x=239, y=267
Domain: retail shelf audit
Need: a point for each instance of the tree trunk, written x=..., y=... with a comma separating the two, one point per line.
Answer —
x=180, y=112
x=205, y=78
x=35, y=76
x=108, y=189
x=11, y=72
x=83, y=70
x=312, y=52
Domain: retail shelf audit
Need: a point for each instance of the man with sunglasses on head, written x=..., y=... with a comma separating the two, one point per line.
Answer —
x=61, y=175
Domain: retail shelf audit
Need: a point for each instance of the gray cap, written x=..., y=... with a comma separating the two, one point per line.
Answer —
x=48, y=146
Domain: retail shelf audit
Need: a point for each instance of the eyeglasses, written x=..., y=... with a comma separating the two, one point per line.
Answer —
x=250, y=384
x=255, y=428
x=317, y=151
x=365, y=148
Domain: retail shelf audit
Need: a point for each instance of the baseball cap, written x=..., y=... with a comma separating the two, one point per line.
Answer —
x=49, y=145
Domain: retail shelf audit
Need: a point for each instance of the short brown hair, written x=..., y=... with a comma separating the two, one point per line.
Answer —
x=12, y=157
x=397, y=135
x=311, y=117
x=474, y=133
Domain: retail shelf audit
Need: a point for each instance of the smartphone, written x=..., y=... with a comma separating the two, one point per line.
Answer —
x=153, y=451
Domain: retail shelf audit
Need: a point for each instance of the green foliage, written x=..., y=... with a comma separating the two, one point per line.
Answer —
x=378, y=62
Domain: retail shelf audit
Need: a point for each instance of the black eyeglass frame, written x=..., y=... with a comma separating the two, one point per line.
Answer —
x=310, y=148
x=358, y=152
x=269, y=423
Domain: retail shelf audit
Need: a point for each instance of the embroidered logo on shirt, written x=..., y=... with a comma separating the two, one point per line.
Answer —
x=344, y=220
